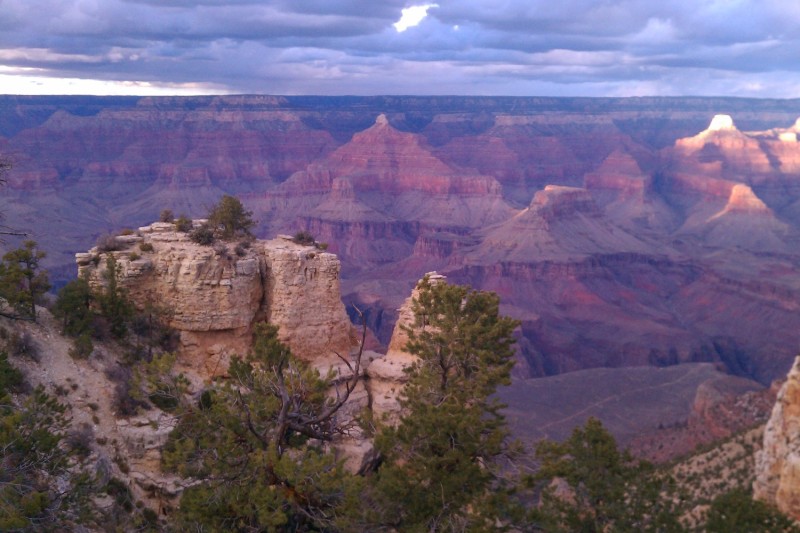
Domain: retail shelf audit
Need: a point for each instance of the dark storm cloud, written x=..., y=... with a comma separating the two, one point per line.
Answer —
x=741, y=47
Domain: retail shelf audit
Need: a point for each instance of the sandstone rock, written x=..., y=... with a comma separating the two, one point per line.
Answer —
x=387, y=375
x=214, y=297
x=778, y=464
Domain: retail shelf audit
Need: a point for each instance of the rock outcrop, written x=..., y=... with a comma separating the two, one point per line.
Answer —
x=214, y=295
x=778, y=464
x=387, y=375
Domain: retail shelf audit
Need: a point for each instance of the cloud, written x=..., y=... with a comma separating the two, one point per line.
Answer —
x=412, y=16
x=743, y=47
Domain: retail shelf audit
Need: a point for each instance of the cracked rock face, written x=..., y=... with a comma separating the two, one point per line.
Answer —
x=778, y=463
x=214, y=295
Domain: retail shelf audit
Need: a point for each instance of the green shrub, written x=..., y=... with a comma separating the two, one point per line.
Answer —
x=303, y=237
x=72, y=307
x=736, y=511
x=126, y=231
x=82, y=347
x=183, y=224
x=22, y=345
x=146, y=247
x=134, y=256
x=203, y=235
x=10, y=378
x=166, y=216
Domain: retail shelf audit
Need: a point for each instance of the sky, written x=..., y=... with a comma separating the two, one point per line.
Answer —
x=747, y=48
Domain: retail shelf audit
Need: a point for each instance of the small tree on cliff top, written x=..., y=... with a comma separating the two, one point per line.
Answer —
x=229, y=219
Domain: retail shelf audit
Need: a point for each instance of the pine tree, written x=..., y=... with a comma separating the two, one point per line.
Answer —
x=257, y=444
x=22, y=282
x=229, y=219
x=73, y=308
x=114, y=303
x=443, y=463
x=590, y=486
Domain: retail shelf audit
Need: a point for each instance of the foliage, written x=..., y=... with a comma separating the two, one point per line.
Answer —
x=166, y=216
x=256, y=443
x=10, y=378
x=590, y=486
x=304, y=237
x=87, y=314
x=82, y=347
x=229, y=219
x=202, y=235
x=183, y=224
x=737, y=512
x=114, y=303
x=124, y=404
x=146, y=247
x=152, y=332
x=154, y=381
x=40, y=488
x=453, y=440
x=73, y=307
x=21, y=344
x=22, y=282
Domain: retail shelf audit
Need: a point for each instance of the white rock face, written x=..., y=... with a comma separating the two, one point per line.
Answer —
x=721, y=122
x=215, y=296
x=778, y=463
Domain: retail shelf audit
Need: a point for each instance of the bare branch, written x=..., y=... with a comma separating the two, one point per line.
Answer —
x=351, y=383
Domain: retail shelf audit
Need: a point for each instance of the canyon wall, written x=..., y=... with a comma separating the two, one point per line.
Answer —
x=619, y=231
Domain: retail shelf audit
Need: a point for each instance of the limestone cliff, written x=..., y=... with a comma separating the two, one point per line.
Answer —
x=778, y=463
x=215, y=294
x=387, y=375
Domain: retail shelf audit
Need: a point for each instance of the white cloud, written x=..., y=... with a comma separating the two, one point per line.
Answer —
x=412, y=16
x=30, y=81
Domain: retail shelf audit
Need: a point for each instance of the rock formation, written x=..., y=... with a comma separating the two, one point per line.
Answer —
x=778, y=464
x=680, y=245
x=387, y=375
x=214, y=295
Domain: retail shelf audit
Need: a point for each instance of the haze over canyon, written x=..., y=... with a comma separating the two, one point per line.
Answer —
x=621, y=232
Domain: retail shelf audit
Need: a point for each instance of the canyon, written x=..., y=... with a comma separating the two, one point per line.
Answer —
x=621, y=232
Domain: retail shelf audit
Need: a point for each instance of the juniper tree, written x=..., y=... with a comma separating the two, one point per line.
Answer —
x=73, y=307
x=22, y=281
x=256, y=443
x=114, y=303
x=443, y=463
x=601, y=488
x=229, y=219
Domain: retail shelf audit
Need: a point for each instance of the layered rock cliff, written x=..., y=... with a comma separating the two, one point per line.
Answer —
x=214, y=295
x=680, y=245
x=778, y=463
